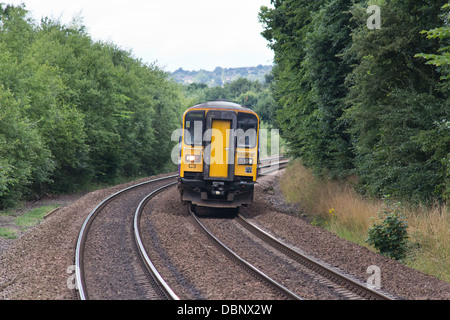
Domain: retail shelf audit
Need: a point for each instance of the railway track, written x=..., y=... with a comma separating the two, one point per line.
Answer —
x=293, y=274
x=248, y=266
x=94, y=278
x=343, y=284
x=161, y=283
x=270, y=165
x=124, y=262
x=349, y=287
x=141, y=271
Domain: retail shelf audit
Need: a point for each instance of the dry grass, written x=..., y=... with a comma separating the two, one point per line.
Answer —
x=338, y=208
x=429, y=229
x=328, y=199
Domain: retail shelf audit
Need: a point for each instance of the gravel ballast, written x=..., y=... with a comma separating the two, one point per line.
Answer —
x=38, y=264
x=271, y=213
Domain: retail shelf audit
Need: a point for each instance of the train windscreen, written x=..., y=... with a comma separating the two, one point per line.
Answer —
x=193, y=125
x=246, y=130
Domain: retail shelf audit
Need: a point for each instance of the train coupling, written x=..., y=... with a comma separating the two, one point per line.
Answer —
x=218, y=188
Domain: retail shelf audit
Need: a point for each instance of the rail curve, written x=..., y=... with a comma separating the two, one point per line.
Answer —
x=81, y=241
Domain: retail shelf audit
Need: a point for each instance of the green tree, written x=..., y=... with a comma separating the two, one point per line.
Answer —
x=442, y=58
x=354, y=100
x=436, y=140
x=266, y=106
x=307, y=39
x=24, y=159
x=248, y=99
x=393, y=100
x=75, y=111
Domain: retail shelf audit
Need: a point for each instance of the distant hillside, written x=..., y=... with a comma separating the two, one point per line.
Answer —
x=220, y=76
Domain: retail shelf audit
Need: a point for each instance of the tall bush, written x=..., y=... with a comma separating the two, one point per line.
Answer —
x=389, y=234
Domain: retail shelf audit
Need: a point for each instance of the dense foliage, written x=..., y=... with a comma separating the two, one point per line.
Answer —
x=74, y=111
x=355, y=100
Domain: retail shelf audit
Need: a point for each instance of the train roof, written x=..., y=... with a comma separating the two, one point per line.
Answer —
x=221, y=104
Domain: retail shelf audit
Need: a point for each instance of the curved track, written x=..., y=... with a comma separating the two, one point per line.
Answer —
x=264, y=277
x=106, y=252
x=342, y=283
x=122, y=270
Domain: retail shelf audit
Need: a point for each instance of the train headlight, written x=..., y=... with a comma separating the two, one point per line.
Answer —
x=193, y=158
x=245, y=161
x=190, y=158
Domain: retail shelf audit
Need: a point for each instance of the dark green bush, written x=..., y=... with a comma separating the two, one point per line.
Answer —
x=389, y=235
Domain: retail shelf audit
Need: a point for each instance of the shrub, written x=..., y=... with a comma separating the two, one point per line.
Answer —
x=389, y=235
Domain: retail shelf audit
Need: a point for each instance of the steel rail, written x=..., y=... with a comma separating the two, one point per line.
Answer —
x=272, y=167
x=273, y=164
x=278, y=157
x=313, y=264
x=154, y=272
x=243, y=262
x=79, y=273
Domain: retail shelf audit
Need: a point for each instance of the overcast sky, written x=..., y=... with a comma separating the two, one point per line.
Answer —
x=192, y=34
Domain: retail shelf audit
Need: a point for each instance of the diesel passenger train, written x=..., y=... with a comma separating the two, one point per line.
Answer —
x=219, y=155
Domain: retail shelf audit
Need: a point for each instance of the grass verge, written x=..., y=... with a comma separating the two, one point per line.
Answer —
x=8, y=233
x=22, y=222
x=336, y=207
x=33, y=217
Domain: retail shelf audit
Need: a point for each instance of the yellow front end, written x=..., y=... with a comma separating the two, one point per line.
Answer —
x=246, y=163
x=191, y=144
x=191, y=159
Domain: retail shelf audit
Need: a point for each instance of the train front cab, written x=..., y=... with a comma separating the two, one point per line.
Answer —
x=219, y=156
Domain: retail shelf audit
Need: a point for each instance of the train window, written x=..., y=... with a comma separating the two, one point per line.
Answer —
x=193, y=125
x=246, y=130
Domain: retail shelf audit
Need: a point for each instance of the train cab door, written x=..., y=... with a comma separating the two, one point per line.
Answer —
x=220, y=148
x=219, y=153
